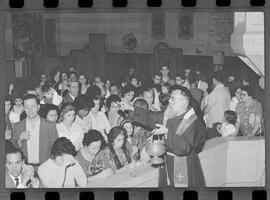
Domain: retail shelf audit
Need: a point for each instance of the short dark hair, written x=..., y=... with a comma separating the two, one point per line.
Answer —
x=72, y=72
x=81, y=102
x=93, y=92
x=181, y=75
x=111, y=99
x=93, y=136
x=66, y=107
x=48, y=85
x=230, y=116
x=10, y=149
x=128, y=89
x=249, y=90
x=193, y=77
x=156, y=74
x=46, y=108
x=141, y=103
x=30, y=96
x=62, y=146
x=218, y=76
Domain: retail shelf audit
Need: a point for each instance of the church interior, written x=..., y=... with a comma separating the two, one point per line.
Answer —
x=109, y=44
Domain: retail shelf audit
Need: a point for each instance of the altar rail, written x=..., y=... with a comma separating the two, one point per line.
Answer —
x=234, y=162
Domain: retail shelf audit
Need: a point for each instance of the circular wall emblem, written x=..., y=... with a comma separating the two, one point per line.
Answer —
x=129, y=41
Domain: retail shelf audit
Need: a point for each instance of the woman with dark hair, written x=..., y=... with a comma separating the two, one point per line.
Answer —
x=55, y=77
x=116, y=150
x=62, y=170
x=92, y=157
x=97, y=119
x=63, y=86
x=49, y=112
x=113, y=113
x=249, y=112
x=85, y=83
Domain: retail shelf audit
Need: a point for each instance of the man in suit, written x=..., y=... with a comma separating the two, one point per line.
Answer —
x=73, y=91
x=34, y=135
x=18, y=174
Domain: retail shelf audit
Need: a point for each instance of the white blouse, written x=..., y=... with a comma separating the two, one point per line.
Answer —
x=75, y=134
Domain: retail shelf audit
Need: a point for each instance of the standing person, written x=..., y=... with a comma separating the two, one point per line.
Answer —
x=187, y=71
x=8, y=126
x=185, y=136
x=164, y=70
x=113, y=113
x=98, y=120
x=82, y=105
x=50, y=94
x=50, y=112
x=196, y=93
x=73, y=91
x=62, y=170
x=34, y=135
x=55, y=77
x=17, y=173
x=236, y=96
x=128, y=94
x=63, y=86
x=156, y=78
x=202, y=84
x=217, y=102
x=179, y=79
x=85, y=83
x=17, y=108
x=68, y=128
x=249, y=111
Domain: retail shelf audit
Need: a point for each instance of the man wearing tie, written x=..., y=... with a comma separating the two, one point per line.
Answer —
x=18, y=174
x=34, y=135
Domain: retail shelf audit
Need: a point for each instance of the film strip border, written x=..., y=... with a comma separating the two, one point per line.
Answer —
x=28, y=4
x=142, y=195
x=100, y=194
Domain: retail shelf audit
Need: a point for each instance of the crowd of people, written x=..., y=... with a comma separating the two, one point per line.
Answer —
x=68, y=131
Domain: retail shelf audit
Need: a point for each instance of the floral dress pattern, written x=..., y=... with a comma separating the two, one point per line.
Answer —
x=247, y=114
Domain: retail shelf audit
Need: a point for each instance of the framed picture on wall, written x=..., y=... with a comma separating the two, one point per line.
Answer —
x=185, y=26
x=158, y=26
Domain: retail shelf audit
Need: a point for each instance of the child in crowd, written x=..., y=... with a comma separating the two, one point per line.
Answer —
x=227, y=128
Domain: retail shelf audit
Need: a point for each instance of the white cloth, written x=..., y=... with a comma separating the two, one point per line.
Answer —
x=99, y=122
x=233, y=103
x=33, y=142
x=14, y=117
x=186, y=84
x=86, y=127
x=57, y=99
x=75, y=134
x=52, y=175
x=217, y=103
x=203, y=86
x=227, y=130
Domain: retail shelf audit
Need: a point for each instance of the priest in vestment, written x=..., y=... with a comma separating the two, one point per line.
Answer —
x=185, y=134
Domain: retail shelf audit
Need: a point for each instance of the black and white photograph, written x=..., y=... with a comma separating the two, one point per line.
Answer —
x=134, y=99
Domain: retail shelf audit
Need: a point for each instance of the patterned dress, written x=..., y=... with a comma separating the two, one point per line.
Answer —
x=247, y=114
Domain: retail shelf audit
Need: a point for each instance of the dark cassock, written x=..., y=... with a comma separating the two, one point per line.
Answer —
x=185, y=139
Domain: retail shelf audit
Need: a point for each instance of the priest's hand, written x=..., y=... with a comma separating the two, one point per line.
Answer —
x=160, y=130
